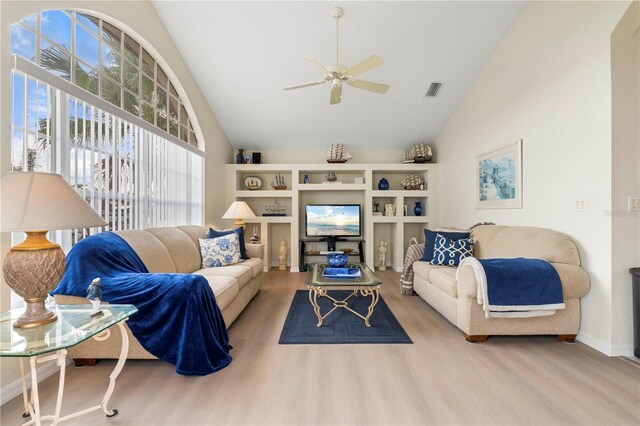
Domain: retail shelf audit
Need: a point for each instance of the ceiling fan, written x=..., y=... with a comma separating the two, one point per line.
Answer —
x=338, y=74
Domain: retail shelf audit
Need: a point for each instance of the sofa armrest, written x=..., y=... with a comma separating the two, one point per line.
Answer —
x=255, y=250
x=467, y=285
x=574, y=280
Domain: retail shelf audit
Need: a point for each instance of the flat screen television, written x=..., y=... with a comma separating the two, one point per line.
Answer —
x=332, y=221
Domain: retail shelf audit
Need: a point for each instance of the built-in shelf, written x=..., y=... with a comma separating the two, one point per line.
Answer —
x=263, y=193
x=332, y=187
x=269, y=219
x=396, y=230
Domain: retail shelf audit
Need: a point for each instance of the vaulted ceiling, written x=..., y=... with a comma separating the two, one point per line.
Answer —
x=242, y=54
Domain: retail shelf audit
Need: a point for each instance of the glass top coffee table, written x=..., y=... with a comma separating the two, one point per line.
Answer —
x=367, y=284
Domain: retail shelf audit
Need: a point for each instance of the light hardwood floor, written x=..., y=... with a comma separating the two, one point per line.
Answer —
x=440, y=379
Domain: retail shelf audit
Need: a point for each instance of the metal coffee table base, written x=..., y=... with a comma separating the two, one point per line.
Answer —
x=321, y=291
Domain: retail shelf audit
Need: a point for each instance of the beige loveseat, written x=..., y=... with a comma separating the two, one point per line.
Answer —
x=171, y=250
x=456, y=299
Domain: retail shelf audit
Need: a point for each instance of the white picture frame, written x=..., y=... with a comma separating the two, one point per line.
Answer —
x=499, y=178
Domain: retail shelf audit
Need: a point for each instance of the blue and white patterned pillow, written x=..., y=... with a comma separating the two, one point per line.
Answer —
x=220, y=251
x=450, y=252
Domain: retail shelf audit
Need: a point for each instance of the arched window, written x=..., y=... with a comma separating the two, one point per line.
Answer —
x=104, y=60
x=91, y=103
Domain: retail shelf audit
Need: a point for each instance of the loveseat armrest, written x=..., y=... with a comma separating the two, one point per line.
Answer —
x=574, y=281
x=255, y=250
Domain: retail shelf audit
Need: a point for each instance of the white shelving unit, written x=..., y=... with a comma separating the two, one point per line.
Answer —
x=397, y=230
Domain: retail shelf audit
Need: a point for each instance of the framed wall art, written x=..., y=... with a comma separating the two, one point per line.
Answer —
x=499, y=178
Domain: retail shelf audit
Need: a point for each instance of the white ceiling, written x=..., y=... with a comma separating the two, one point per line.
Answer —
x=243, y=53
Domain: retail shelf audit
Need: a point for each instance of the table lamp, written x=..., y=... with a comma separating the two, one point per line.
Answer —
x=239, y=210
x=36, y=203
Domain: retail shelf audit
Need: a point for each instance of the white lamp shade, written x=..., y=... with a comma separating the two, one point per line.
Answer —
x=239, y=210
x=42, y=202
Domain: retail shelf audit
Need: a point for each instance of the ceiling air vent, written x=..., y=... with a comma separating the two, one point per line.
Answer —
x=434, y=89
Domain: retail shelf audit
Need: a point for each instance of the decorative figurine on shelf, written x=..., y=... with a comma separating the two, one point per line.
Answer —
x=404, y=210
x=278, y=183
x=389, y=209
x=255, y=238
x=330, y=177
x=94, y=294
x=247, y=158
x=412, y=182
x=418, y=210
x=383, y=185
x=337, y=153
x=306, y=179
x=240, y=157
x=382, y=255
x=282, y=255
x=376, y=212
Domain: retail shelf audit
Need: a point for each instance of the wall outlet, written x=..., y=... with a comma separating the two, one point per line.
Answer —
x=633, y=204
x=581, y=205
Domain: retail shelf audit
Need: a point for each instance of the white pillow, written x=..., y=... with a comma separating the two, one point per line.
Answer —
x=220, y=251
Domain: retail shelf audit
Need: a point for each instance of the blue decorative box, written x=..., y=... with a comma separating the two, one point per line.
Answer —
x=337, y=260
x=341, y=273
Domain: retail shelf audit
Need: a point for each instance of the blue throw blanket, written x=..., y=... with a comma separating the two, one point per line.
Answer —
x=516, y=287
x=178, y=319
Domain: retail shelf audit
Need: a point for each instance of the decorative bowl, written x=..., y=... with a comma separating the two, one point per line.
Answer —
x=337, y=260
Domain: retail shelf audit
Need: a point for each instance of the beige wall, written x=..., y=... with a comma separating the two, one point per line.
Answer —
x=137, y=18
x=625, y=170
x=549, y=83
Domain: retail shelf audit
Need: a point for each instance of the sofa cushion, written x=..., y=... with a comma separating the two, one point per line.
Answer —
x=213, y=233
x=450, y=252
x=150, y=249
x=225, y=288
x=430, y=241
x=256, y=265
x=240, y=272
x=221, y=251
x=422, y=269
x=185, y=254
x=445, y=280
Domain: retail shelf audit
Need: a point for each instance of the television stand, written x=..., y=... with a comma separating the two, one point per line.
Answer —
x=331, y=246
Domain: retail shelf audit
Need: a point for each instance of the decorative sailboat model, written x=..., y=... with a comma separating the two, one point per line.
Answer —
x=338, y=154
x=278, y=183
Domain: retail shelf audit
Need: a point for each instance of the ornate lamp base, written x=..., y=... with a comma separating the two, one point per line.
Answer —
x=35, y=314
x=33, y=269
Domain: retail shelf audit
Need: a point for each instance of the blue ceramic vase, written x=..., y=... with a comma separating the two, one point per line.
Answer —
x=383, y=185
x=418, y=210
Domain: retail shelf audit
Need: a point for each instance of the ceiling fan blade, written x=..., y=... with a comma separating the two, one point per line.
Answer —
x=369, y=85
x=336, y=95
x=317, y=64
x=369, y=63
x=300, y=86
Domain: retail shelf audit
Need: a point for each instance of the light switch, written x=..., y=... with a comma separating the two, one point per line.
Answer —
x=633, y=204
x=581, y=205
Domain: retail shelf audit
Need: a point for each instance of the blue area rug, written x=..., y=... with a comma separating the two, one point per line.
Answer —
x=341, y=326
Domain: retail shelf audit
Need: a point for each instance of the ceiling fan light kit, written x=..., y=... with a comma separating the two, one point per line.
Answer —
x=338, y=74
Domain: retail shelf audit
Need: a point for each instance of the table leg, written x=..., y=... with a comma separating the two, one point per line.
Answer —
x=35, y=404
x=25, y=393
x=62, y=363
x=124, y=350
x=375, y=296
x=314, y=292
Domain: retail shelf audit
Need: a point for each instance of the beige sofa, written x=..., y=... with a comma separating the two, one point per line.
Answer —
x=456, y=299
x=171, y=250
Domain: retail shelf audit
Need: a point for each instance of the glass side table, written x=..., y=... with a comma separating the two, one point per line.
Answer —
x=50, y=342
x=367, y=284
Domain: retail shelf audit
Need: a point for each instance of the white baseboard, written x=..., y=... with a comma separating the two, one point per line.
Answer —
x=14, y=388
x=622, y=350
x=597, y=344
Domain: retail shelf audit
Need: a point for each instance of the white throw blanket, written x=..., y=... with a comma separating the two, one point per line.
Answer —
x=495, y=311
